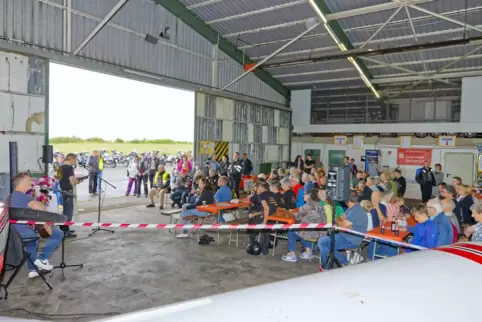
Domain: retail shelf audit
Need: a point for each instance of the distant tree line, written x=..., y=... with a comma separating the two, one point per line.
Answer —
x=75, y=139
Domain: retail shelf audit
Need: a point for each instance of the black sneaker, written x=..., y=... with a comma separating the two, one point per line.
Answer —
x=70, y=235
x=161, y=207
x=150, y=205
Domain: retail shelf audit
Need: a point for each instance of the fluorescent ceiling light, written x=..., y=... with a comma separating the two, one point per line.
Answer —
x=342, y=46
x=318, y=11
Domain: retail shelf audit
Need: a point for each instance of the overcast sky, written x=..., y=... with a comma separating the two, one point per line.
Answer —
x=88, y=104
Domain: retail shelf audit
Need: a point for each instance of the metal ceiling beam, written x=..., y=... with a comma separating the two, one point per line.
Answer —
x=202, y=4
x=380, y=66
x=289, y=43
x=343, y=38
x=377, y=52
x=371, y=9
x=361, y=28
x=382, y=26
x=398, y=79
x=409, y=71
x=463, y=24
x=267, y=28
x=329, y=17
x=257, y=12
x=101, y=25
x=402, y=77
x=375, y=41
x=189, y=18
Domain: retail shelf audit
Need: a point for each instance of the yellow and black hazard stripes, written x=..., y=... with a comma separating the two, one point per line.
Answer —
x=221, y=148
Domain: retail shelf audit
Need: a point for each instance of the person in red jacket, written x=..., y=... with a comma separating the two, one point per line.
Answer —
x=295, y=184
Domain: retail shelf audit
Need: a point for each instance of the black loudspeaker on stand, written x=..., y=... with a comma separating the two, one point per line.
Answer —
x=338, y=189
x=96, y=229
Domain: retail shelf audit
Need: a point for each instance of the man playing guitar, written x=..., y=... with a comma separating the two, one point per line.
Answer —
x=19, y=199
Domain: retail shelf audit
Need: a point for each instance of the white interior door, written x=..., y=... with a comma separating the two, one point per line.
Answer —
x=459, y=165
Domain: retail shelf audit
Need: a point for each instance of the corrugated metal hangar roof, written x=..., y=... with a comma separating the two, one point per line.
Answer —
x=323, y=59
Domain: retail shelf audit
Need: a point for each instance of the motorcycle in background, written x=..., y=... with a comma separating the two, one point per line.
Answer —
x=109, y=161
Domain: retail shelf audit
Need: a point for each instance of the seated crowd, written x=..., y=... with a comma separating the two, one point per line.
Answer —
x=376, y=199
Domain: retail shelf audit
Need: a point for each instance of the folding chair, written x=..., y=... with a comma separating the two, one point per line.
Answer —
x=14, y=241
x=354, y=255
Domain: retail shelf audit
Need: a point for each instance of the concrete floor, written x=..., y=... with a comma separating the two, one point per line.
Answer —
x=138, y=269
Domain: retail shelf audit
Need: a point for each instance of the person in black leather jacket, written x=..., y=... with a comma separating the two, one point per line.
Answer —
x=142, y=177
x=426, y=180
x=235, y=172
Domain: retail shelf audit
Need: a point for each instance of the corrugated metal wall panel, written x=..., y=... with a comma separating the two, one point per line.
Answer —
x=186, y=56
x=31, y=21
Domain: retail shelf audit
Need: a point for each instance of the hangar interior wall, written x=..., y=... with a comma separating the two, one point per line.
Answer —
x=226, y=126
x=23, y=102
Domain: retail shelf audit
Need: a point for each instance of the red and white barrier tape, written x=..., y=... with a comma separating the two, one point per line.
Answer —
x=179, y=226
x=216, y=227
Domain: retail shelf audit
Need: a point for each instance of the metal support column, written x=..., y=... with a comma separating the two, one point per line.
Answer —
x=215, y=67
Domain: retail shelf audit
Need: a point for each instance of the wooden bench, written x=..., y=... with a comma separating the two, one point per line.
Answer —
x=171, y=213
x=239, y=221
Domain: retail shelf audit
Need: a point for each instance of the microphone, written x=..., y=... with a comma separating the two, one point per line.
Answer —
x=61, y=191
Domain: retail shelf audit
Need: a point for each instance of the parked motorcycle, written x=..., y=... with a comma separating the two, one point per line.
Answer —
x=109, y=161
x=83, y=158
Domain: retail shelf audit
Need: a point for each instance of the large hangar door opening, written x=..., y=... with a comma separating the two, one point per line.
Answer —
x=96, y=111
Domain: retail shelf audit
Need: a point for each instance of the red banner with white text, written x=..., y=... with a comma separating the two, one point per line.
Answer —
x=413, y=156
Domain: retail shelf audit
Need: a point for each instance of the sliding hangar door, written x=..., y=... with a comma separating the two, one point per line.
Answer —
x=225, y=126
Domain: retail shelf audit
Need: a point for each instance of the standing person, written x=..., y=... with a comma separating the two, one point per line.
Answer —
x=57, y=175
x=401, y=182
x=132, y=172
x=299, y=164
x=268, y=208
x=20, y=199
x=309, y=163
x=152, y=162
x=224, y=165
x=372, y=168
x=247, y=165
x=67, y=184
x=100, y=173
x=142, y=176
x=439, y=178
x=353, y=167
x=426, y=180
x=93, y=167
x=235, y=170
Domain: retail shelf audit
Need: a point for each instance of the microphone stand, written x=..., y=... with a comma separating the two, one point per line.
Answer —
x=96, y=229
x=331, y=260
x=62, y=264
